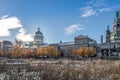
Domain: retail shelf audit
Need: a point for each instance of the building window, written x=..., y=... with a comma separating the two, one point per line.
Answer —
x=118, y=24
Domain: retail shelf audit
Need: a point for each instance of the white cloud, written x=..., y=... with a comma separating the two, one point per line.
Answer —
x=23, y=36
x=98, y=3
x=7, y=23
x=95, y=7
x=5, y=16
x=75, y=27
x=87, y=11
x=105, y=9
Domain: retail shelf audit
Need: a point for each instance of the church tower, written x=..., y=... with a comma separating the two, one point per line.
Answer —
x=38, y=38
x=117, y=23
x=108, y=35
x=115, y=36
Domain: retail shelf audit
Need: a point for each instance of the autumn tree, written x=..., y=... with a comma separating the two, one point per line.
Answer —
x=40, y=51
x=87, y=50
x=1, y=53
x=53, y=51
x=11, y=53
x=50, y=51
x=81, y=51
x=43, y=51
x=16, y=48
x=74, y=53
x=92, y=51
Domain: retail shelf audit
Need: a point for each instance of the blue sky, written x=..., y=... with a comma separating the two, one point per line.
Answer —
x=57, y=19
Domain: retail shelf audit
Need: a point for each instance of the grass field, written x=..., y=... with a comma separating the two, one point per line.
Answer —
x=61, y=70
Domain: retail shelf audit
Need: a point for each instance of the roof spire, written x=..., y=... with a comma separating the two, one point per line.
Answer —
x=117, y=14
x=108, y=27
x=38, y=29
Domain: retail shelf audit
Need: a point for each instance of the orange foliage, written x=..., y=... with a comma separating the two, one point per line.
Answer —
x=1, y=53
x=87, y=50
x=81, y=51
x=41, y=51
x=92, y=51
x=12, y=53
x=51, y=51
x=74, y=53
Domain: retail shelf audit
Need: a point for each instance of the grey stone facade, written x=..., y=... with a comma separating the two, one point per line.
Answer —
x=79, y=41
x=112, y=45
x=38, y=38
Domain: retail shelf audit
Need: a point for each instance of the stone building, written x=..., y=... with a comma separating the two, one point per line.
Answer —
x=38, y=38
x=79, y=41
x=6, y=45
x=112, y=45
x=84, y=41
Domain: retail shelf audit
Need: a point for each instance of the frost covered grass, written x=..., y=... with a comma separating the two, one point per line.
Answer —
x=62, y=70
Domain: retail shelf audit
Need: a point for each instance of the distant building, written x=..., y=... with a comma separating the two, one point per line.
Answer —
x=38, y=38
x=83, y=41
x=0, y=45
x=112, y=45
x=115, y=35
x=6, y=45
x=79, y=41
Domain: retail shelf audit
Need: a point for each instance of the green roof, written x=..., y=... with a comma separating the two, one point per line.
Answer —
x=113, y=33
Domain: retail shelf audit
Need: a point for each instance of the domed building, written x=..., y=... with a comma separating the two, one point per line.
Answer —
x=114, y=37
x=112, y=44
x=38, y=38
